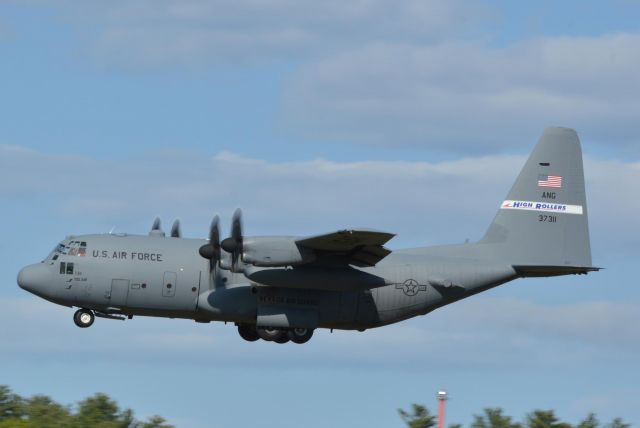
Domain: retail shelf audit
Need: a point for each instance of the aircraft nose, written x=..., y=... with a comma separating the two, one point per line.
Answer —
x=33, y=278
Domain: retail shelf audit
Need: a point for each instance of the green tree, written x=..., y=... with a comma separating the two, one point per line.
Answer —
x=455, y=425
x=493, y=418
x=15, y=423
x=127, y=420
x=420, y=417
x=42, y=411
x=11, y=405
x=156, y=422
x=618, y=423
x=98, y=411
x=544, y=419
x=591, y=421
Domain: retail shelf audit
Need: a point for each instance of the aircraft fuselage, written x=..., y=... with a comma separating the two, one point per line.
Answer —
x=157, y=276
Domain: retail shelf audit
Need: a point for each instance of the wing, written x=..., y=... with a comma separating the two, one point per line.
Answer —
x=357, y=247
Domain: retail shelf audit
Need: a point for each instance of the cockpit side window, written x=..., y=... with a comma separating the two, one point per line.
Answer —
x=66, y=268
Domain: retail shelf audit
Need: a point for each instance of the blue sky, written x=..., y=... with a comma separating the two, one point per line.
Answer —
x=407, y=116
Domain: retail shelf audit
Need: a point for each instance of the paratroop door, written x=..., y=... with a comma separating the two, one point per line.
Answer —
x=169, y=284
x=119, y=292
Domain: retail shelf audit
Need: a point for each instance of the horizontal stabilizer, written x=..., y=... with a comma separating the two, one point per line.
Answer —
x=540, y=271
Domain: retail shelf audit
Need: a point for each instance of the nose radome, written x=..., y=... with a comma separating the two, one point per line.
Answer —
x=22, y=278
x=33, y=278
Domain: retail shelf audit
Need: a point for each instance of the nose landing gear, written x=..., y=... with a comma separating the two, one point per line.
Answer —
x=83, y=318
x=251, y=333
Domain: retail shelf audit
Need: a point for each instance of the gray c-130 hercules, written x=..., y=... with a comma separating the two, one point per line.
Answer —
x=281, y=288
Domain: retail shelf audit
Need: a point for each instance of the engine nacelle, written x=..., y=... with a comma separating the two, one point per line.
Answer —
x=267, y=251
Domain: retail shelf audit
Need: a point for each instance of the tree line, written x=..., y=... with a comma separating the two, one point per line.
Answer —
x=419, y=416
x=40, y=411
x=100, y=411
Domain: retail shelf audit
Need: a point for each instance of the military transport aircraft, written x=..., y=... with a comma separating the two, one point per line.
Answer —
x=281, y=288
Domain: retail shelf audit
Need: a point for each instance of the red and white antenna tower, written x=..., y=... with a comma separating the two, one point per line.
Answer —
x=442, y=397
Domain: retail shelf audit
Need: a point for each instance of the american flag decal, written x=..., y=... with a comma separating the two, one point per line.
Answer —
x=545, y=180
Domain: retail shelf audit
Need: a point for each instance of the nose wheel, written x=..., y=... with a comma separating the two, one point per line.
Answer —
x=83, y=318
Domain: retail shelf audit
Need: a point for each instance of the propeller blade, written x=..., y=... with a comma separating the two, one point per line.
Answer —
x=211, y=250
x=236, y=225
x=175, y=229
x=156, y=224
x=233, y=244
x=214, y=242
x=156, y=228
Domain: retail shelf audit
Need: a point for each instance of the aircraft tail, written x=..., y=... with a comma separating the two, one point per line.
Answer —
x=542, y=228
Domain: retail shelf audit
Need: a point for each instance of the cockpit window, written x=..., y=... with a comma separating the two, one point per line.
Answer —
x=62, y=249
x=71, y=248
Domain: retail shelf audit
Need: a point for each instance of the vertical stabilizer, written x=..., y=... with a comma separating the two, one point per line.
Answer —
x=543, y=220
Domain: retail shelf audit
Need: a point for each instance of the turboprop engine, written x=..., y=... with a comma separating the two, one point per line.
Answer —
x=267, y=251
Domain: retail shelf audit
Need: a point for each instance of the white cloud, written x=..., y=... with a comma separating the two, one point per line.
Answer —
x=470, y=96
x=170, y=32
x=383, y=72
x=424, y=203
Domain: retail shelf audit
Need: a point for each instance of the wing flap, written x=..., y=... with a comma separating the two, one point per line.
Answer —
x=345, y=240
x=358, y=247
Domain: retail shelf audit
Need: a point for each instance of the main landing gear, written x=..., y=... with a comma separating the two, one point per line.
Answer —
x=83, y=318
x=251, y=333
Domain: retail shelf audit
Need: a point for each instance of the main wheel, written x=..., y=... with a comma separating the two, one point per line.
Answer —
x=248, y=332
x=300, y=335
x=272, y=334
x=83, y=318
x=283, y=338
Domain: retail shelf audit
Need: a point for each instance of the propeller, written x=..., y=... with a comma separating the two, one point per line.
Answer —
x=156, y=228
x=233, y=244
x=175, y=229
x=211, y=250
